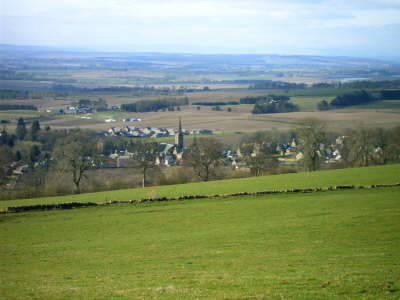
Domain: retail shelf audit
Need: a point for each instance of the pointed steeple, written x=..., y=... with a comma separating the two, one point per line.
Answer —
x=179, y=138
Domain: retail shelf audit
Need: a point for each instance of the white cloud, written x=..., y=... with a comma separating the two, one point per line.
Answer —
x=235, y=25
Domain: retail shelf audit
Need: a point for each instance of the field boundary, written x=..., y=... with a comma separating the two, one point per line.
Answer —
x=71, y=205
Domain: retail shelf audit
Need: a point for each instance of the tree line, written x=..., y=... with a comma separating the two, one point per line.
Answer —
x=270, y=104
x=272, y=108
x=282, y=85
x=358, y=84
x=361, y=146
x=24, y=94
x=154, y=105
x=216, y=103
x=17, y=107
x=358, y=98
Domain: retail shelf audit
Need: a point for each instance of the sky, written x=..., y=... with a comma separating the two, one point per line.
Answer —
x=312, y=27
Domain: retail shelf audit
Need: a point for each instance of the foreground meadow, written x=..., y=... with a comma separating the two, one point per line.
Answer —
x=355, y=176
x=341, y=244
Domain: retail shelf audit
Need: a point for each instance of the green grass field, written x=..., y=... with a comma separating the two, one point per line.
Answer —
x=355, y=176
x=327, y=245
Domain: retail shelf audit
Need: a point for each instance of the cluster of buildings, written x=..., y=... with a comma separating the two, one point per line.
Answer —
x=169, y=154
x=329, y=153
x=152, y=132
x=71, y=110
x=288, y=153
x=77, y=110
x=172, y=154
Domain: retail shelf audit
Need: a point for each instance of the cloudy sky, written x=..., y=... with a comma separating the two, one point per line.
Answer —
x=323, y=27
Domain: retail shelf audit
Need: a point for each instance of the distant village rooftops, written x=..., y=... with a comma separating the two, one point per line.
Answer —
x=153, y=132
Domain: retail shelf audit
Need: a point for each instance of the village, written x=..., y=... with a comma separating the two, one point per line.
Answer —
x=172, y=154
x=114, y=150
x=152, y=132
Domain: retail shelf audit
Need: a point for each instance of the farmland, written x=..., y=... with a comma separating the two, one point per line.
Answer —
x=203, y=78
x=384, y=115
x=341, y=244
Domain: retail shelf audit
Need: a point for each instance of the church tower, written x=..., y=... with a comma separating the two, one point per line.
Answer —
x=179, y=138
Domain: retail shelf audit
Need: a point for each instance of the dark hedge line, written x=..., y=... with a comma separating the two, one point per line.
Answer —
x=17, y=107
x=153, y=105
x=216, y=103
x=272, y=108
x=188, y=197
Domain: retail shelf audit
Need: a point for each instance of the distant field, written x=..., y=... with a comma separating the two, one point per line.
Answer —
x=383, y=114
x=354, y=176
x=332, y=245
x=15, y=114
x=239, y=120
x=308, y=103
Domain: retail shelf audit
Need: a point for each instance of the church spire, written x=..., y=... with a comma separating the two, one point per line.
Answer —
x=179, y=138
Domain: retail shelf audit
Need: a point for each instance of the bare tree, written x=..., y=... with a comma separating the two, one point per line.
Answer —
x=311, y=134
x=204, y=156
x=261, y=163
x=387, y=145
x=361, y=145
x=256, y=151
x=392, y=151
x=75, y=154
x=5, y=159
x=145, y=156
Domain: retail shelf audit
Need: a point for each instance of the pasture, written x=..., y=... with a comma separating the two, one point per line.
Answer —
x=342, y=245
x=356, y=176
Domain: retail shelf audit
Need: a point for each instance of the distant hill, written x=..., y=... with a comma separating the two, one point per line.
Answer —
x=203, y=60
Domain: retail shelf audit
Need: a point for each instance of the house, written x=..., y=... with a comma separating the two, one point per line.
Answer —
x=131, y=120
x=201, y=131
x=70, y=110
x=19, y=171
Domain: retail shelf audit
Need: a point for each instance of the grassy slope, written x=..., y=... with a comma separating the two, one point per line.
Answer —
x=342, y=245
x=356, y=176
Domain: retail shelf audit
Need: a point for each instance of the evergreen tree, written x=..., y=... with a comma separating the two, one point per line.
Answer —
x=33, y=155
x=3, y=137
x=21, y=129
x=35, y=130
x=18, y=155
